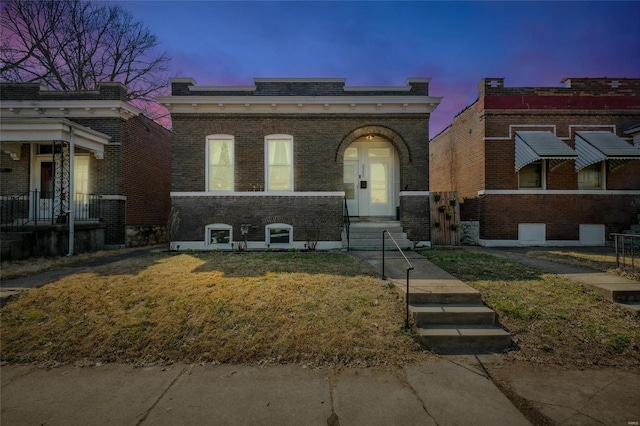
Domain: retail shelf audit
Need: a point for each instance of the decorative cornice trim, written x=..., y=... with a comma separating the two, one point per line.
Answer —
x=69, y=108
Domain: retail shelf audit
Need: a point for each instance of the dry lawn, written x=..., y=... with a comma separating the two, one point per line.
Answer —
x=552, y=320
x=316, y=309
x=600, y=259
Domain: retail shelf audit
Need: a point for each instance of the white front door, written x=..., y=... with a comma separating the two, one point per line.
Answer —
x=370, y=169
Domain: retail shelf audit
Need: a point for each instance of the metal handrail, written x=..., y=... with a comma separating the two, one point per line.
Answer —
x=621, y=248
x=347, y=221
x=409, y=269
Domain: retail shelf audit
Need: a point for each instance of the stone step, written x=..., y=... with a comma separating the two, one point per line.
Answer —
x=445, y=297
x=365, y=245
x=463, y=338
x=452, y=313
x=374, y=233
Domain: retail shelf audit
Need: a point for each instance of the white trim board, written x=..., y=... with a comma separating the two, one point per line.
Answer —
x=258, y=194
x=253, y=245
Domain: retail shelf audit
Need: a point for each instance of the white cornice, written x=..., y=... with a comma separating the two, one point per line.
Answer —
x=300, y=104
x=69, y=108
x=15, y=131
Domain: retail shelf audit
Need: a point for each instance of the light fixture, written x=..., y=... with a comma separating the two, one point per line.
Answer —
x=369, y=137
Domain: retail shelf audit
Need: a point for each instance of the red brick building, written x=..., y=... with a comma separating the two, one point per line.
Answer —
x=92, y=144
x=544, y=165
x=273, y=164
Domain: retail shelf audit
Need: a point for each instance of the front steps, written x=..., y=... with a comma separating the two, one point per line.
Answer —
x=368, y=235
x=456, y=323
x=448, y=315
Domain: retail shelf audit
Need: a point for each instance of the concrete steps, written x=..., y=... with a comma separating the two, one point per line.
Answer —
x=368, y=235
x=448, y=315
x=458, y=328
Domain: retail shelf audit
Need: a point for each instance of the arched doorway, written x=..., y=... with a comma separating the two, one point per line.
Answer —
x=371, y=177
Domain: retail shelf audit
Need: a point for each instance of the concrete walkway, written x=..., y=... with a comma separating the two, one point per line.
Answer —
x=436, y=393
x=613, y=287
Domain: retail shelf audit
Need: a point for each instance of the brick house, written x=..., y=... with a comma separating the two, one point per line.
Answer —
x=93, y=144
x=274, y=164
x=544, y=165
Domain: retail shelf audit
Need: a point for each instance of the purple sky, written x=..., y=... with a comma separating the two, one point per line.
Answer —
x=456, y=44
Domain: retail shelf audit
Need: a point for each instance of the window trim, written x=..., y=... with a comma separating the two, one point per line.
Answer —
x=266, y=162
x=267, y=235
x=207, y=165
x=218, y=227
x=543, y=175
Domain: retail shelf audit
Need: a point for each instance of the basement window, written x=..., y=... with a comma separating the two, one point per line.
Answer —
x=218, y=235
x=279, y=235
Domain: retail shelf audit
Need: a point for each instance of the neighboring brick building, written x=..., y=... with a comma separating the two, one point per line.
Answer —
x=120, y=172
x=282, y=157
x=544, y=165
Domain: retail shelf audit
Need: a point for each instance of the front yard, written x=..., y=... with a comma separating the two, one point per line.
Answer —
x=314, y=309
x=307, y=308
x=552, y=320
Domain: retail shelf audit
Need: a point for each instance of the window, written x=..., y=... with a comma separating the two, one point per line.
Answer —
x=531, y=176
x=279, y=163
x=218, y=235
x=219, y=163
x=590, y=177
x=279, y=235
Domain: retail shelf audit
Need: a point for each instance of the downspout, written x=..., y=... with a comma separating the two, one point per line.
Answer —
x=72, y=200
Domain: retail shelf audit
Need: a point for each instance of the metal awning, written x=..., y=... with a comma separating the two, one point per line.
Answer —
x=594, y=147
x=15, y=131
x=534, y=146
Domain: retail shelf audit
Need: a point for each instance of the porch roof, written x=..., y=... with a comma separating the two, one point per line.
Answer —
x=534, y=146
x=16, y=131
x=596, y=146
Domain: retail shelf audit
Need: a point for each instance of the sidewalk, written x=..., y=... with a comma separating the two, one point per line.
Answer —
x=436, y=393
x=453, y=390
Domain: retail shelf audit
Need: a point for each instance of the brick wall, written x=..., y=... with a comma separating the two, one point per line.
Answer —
x=112, y=213
x=458, y=160
x=500, y=214
x=414, y=217
x=14, y=177
x=306, y=214
x=317, y=141
x=146, y=168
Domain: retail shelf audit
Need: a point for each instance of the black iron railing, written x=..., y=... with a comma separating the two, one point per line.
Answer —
x=37, y=208
x=627, y=246
x=347, y=221
x=409, y=269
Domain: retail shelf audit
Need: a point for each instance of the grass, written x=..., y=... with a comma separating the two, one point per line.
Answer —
x=24, y=268
x=552, y=320
x=602, y=259
x=313, y=309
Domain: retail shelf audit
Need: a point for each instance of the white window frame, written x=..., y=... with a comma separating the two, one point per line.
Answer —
x=208, y=166
x=267, y=235
x=266, y=162
x=603, y=177
x=543, y=176
x=218, y=227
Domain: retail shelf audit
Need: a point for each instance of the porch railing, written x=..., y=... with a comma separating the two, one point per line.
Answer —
x=37, y=208
x=627, y=246
x=409, y=269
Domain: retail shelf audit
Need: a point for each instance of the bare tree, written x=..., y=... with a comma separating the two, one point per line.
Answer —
x=76, y=44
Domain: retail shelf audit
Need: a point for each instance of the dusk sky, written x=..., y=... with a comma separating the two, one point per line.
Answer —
x=456, y=44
